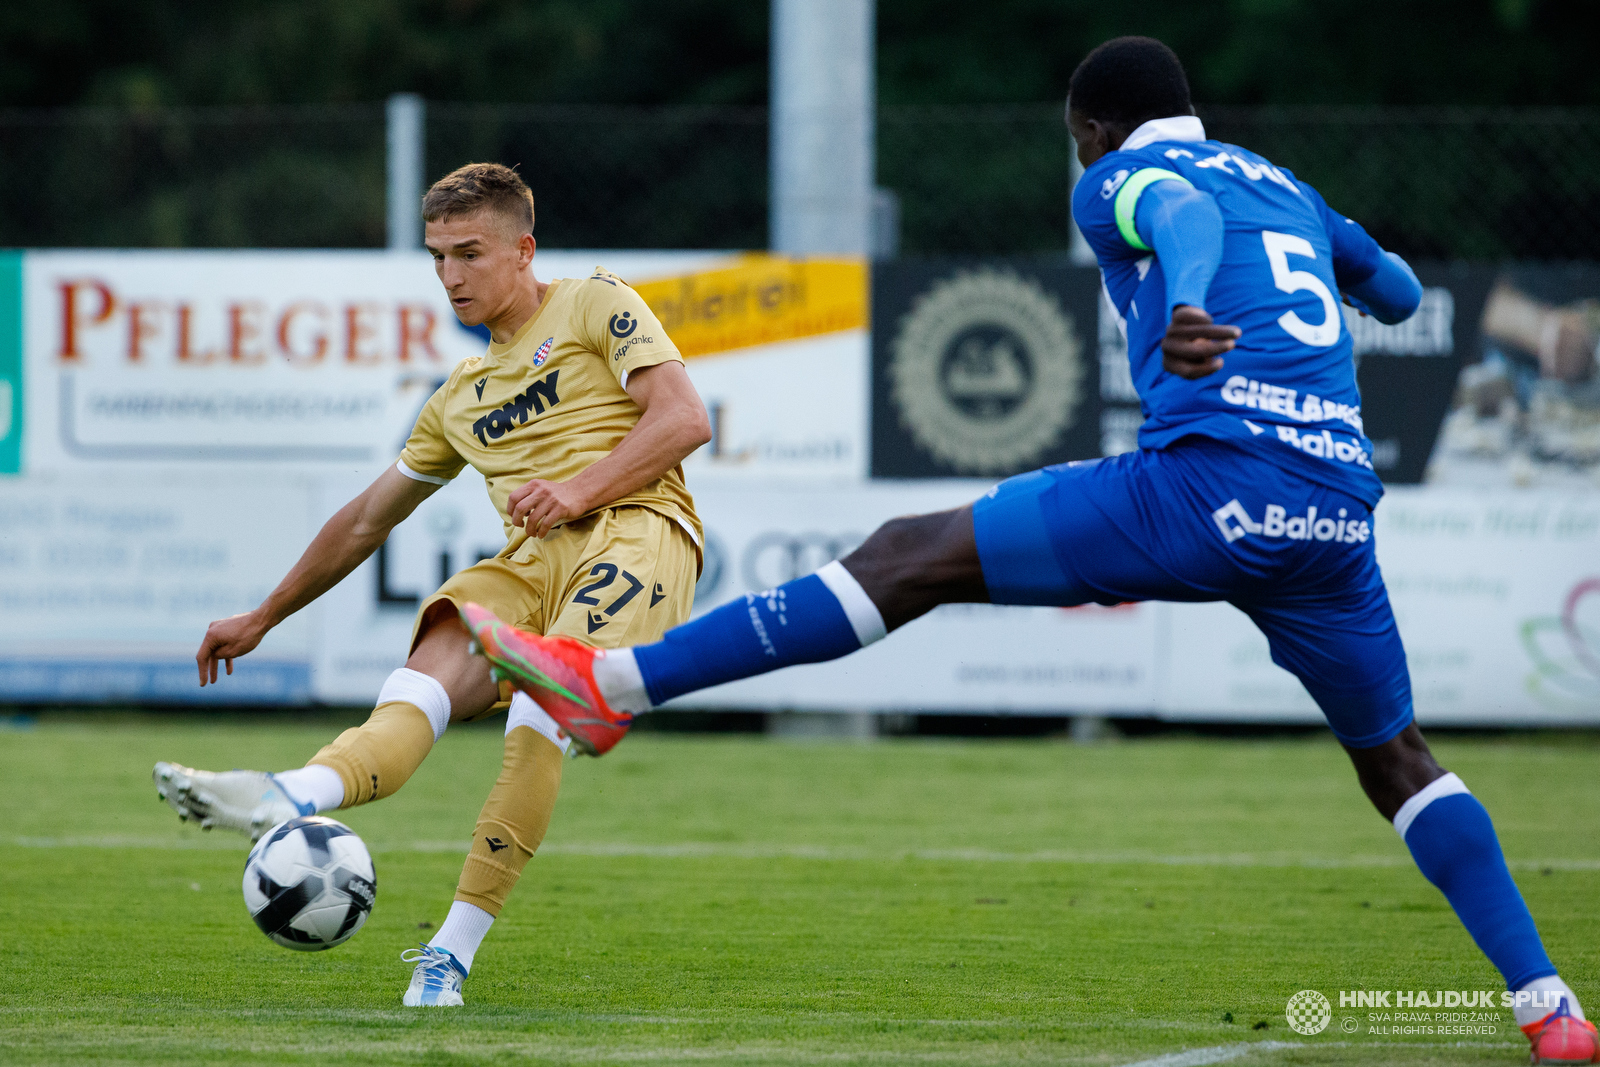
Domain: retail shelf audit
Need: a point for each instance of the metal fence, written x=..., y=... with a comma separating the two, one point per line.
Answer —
x=1445, y=183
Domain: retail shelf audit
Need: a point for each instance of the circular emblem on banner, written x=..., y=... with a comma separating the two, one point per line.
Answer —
x=1308, y=1012
x=986, y=371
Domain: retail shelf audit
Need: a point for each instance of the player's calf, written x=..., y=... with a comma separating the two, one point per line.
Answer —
x=1455, y=846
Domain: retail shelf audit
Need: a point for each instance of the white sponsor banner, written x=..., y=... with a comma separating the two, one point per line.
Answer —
x=107, y=585
x=792, y=411
x=322, y=360
x=161, y=358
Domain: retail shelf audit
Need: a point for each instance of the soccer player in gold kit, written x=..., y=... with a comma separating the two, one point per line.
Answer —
x=578, y=416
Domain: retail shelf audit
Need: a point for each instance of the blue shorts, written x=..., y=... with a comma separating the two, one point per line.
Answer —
x=1201, y=521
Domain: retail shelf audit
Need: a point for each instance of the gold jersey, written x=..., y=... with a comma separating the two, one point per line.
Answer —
x=551, y=401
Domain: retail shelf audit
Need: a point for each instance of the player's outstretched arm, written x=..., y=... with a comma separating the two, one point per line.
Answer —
x=353, y=534
x=672, y=423
x=1183, y=226
x=1391, y=294
x=1372, y=281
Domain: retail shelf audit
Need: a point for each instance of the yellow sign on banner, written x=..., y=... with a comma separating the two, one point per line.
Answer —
x=759, y=300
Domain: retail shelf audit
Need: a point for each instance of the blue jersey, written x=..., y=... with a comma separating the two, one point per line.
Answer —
x=1287, y=391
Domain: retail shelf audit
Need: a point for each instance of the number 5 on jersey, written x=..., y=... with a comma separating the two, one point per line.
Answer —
x=1280, y=246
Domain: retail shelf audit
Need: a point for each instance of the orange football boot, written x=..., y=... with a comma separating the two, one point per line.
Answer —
x=1560, y=1037
x=557, y=672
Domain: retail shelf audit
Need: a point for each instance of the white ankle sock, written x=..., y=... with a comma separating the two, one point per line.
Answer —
x=315, y=784
x=617, y=674
x=463, y=931
x=1549, y=991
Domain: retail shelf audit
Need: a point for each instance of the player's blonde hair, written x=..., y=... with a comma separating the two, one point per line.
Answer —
x=482, y=187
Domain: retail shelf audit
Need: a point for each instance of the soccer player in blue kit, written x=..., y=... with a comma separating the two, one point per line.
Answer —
x=1253, y=484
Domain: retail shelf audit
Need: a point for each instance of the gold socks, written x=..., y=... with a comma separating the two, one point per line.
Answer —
x=375, y=759
x=513, y=820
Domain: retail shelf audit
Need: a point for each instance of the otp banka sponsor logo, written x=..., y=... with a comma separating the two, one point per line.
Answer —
x=515, y=412
x=1235, y=522
x=622, y=349
x=1109, y=187
x=623, y=324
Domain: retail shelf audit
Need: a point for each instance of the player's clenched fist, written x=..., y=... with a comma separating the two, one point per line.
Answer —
x=541, y=506
x=1194, y=345
x=226, y=640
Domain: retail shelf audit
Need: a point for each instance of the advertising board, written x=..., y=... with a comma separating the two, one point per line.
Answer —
x=177, y=425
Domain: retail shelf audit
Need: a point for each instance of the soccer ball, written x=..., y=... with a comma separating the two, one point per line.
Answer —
x=309, y=883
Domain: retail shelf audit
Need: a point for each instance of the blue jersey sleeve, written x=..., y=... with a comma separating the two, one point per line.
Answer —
x=1377, y=282
x=1103, y=206
x=1184, y=227
x=1356, y=256
x=1391, y=295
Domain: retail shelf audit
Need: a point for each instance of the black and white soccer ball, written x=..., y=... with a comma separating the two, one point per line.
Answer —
x=309, y=883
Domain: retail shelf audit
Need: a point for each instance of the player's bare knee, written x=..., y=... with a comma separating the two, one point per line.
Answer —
x=441, y=653
x=1395, y=771
x=914, y=563
x=888, y=563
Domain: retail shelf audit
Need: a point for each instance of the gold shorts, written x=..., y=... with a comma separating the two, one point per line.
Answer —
x=622, y=576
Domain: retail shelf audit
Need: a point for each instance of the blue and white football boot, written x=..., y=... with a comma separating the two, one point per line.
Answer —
x=250, y=802
x=436, y=983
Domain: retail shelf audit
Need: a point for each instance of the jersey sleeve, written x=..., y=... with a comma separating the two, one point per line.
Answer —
x=1183, y=225
x=1105, y=203
x=428, y=456
x=1356, y=256
x=620, y=326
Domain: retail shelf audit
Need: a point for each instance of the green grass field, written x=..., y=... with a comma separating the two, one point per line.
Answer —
x=748, y=901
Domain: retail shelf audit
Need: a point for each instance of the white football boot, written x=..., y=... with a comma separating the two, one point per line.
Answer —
x=250, y=802
x=436, y=983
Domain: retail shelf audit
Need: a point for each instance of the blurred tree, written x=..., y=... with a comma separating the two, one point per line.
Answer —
x=1395, y=52
x=973, y=178
x=144, y=53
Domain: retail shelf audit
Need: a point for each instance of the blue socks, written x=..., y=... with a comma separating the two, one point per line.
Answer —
x=819, y=617
x=1454, y=843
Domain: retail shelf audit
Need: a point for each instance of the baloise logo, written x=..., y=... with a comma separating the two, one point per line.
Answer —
x=514, y=412
x=1235, y=522
x=623, y=324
